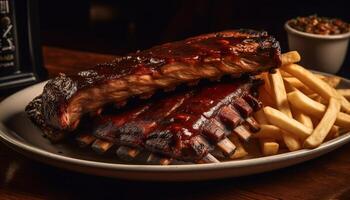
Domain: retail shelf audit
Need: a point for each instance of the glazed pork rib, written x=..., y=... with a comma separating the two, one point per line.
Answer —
x=188, y=125
x=66, y=98
x=211, y=114
x=133, y=121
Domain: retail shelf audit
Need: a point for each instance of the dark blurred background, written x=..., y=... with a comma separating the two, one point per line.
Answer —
x=118, y=27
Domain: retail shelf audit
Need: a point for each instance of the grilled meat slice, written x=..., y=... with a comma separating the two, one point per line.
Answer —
x=211, y=113
x=66, y=98
x=188, y=124
x=134, y=132
x=107, y=125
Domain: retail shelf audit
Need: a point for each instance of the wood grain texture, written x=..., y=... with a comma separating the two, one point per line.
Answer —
x=58, y=60
x=327, y=177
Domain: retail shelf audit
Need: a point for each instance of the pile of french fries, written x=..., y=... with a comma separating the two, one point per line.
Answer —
x=301, y=109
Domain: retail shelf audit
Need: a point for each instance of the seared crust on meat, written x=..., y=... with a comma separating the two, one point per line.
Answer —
x=66, y=98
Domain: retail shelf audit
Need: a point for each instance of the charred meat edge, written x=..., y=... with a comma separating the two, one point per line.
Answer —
x=66, y=98
x=141, y=132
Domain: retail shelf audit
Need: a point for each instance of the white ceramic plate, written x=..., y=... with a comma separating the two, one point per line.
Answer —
x=20, y=134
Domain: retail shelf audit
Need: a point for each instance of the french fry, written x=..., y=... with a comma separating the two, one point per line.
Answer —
x=325, y=125
x=333, y=133
x=315, y=109
x=267, y=85
x=240, y=152
x=289, y=87
x=333, y=81
x=345, y=104
x=314, y=96
x=294, y=82
x=310, y=80
x=306, y=90
x=269, y=147
x=286, y=123
x=281, y=102
x=269, y=131
x=302, y=118
x=291, y=141
x=279, y=93
x=344, y=92
x=319, y=99
x=316, y=84
x=290, y=57
x=285, y=74
x=294, y=100
x=299, y=85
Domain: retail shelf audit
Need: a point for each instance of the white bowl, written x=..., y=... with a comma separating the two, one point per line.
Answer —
x=324, y=53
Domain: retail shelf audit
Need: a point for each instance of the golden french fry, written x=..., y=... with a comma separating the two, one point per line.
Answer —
x=286, y=123
x=319, y=99
x=302, y=118
x=281, y=102
x=260, y=117
x=289, y=87
x=344, y=92
x=333, y=133
x=310, y=80
x=269, y=147
x=315, y=109
x=313, y=96
x=325, y=125
x=240, y=152
x=316, y=84
x=294, y=82
x=290, y=57
x=285, y=74
x=333, y=81
x=279, y=93
x=291, y=141
x=269, y=131
x=306, y=91
x=298, y=84
x=307, y=94
x=345, y=104
x=267, y=85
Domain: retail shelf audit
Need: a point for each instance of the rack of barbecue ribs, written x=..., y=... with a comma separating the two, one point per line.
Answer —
x=190, y=95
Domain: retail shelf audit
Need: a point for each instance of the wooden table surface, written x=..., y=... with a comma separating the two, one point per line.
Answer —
x=327, y=177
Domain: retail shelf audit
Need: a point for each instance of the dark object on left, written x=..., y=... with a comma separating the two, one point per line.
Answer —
x=20, y=51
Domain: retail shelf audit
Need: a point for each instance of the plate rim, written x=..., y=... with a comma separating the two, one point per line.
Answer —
x=42, y=153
